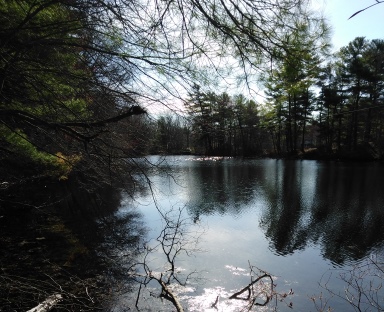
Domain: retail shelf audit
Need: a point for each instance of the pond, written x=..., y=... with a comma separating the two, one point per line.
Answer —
x=316, y=227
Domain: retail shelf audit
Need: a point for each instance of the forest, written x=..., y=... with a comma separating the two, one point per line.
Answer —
x=88, y=87
x=316, y=106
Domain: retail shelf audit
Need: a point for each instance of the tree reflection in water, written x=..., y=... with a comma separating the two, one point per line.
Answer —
x=330, y=205
x=334, y=205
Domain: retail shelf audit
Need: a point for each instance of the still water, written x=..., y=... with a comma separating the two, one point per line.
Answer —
x=312, y=225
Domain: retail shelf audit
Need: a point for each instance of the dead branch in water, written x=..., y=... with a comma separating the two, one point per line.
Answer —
x=174, y=239
x=48, y=304
x=262, y=288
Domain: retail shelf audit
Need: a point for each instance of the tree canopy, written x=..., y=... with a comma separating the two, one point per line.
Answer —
x=73, y=73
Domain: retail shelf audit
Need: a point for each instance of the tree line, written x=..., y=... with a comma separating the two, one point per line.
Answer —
x=331, y=105
x=340, y=99
x=213, y=124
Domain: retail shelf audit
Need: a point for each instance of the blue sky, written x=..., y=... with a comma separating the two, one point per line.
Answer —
x=369, y=24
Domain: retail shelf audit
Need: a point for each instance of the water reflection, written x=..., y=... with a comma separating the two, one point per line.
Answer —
x=226, y=187
x=348, y=210
x=333, y=205
x=284, y=217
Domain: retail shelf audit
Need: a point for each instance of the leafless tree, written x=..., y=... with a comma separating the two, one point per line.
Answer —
x=363, y=286
x=176, y=238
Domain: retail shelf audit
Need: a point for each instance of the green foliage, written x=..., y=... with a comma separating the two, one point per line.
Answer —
x=352, y=90
x=57, y=165
x=344, y=116
x=224, y=125
x=39, y=69
x=290, y=85
x=44, y=80
x=22, y=146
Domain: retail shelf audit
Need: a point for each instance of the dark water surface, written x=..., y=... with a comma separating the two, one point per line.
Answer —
x=305, y=222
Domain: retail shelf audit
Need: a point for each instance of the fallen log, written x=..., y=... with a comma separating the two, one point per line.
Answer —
x=167, y=294
x=47, y=304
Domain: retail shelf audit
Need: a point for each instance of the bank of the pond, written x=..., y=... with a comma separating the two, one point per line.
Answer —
x=52, y=243
x=361, y=153
x=41, y=254
x=364, y=153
